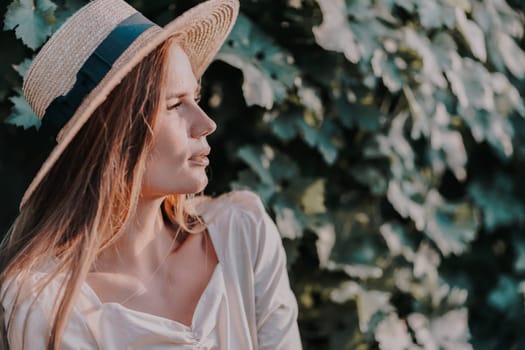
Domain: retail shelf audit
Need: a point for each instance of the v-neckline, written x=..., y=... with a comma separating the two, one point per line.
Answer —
x=154, y=317
x=217, y=269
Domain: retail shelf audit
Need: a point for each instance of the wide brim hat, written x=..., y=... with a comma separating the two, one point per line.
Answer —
x=90, y=54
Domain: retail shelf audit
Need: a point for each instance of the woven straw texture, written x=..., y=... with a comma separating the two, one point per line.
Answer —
x=202, y=30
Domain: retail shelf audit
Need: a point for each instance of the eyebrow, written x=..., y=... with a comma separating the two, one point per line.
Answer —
x=182, y=94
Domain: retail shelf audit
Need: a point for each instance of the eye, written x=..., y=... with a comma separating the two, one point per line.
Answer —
x=178, y=104
x=175, y=106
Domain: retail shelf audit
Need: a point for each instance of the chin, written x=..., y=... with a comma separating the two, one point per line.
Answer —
x=202, y=187
x=191, y=187
x=181, y=182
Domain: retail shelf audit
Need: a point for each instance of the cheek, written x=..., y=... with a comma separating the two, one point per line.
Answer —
x=167, y=158
x=169, y=151
x=171, y=142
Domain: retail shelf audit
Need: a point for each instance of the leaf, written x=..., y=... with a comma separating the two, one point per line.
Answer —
x=496, y=197
x=491, y=127
x=23, y=67
x=370, y=302
x=282, y=167
x=450, y=225
x=443, y=47
x=519, y=247
x=370, y=37
x=346, y=291
x=370, y=176
x=504, y=297
x=422, y=45
x=435, y=14
x=270, y=165
x=403, y=279
x=288, y=222
x=470, y=82
x=456, y=297
x=259, y=161
x=360, y=10
x=449, y=152
x=512, y=54
x=461, y=4
x=387, y=71
x=498, y=16
x=426, y=262
x=421, y=124
x=392, y=334
x=408, y=5
x=312, y=198
x=324, y=138
x=267, y=68
x=66, y=11
x=449, y=331
x=22, y=114
x=325, y=243
x=366, y=117
x=247, y=180
x=472, y=34
x=32, y=20
x=363, y=272
x=395, y=238
x=508, y=99
x=449, y=142
x=485, y=101
x=357, y=242
x=335, y=33
x=452, y=330
x=328, y=142
x=283, y=126
x=310, y=98
x=521, y=289
x=399, y=195
x=495, y=57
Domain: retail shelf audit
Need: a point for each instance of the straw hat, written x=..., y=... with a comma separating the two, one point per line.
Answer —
x=93, y=51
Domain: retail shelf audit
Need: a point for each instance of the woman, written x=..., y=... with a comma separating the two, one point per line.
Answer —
x=111, y=249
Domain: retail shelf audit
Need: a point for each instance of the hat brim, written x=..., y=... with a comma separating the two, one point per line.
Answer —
x=203, y=30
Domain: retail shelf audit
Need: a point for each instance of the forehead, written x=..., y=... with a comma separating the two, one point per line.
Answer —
x=180, y=77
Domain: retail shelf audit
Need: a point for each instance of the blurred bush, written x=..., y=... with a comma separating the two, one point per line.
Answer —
x=387, y=139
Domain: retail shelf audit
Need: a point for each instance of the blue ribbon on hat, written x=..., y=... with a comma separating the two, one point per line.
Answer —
x=62, y=108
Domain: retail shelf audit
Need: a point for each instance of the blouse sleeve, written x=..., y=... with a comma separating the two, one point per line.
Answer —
x=276, y=305
x=38, y=326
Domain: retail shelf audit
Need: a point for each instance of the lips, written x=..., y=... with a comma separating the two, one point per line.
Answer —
x=204, y=153
x=201, y=158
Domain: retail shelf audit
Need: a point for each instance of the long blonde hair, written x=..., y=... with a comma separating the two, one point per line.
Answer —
x=91, y=192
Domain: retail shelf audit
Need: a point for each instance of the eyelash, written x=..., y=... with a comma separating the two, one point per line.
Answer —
x=175, y=106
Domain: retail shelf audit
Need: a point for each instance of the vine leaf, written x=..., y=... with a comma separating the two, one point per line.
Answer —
x=267, y=68
x=22, y=114
x=32, y=20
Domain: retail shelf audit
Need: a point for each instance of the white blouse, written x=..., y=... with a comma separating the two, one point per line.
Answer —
x=247, y=304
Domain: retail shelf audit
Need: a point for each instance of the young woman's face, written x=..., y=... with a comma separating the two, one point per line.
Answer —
x=178, y=161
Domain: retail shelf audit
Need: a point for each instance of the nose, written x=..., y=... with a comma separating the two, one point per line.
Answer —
x=203, y=125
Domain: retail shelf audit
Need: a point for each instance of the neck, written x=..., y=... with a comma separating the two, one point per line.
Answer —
x=145, y=243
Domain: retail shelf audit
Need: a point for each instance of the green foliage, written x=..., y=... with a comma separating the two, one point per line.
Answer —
x=267, y=68
x=31, y=20
x=387, y=138
x=21, y=113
